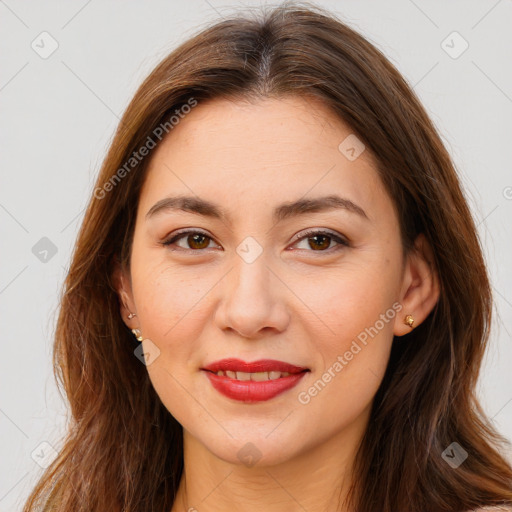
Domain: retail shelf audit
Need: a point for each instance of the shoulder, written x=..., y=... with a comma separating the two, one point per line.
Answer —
x=496, y=508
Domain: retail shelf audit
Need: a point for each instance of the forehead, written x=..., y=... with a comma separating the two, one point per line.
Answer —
x=242, y=153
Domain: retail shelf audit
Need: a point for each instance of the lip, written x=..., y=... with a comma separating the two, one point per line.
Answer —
x=250, y=391
x=261, y=365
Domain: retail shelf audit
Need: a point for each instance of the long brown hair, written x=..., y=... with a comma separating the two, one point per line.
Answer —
x=123, y=449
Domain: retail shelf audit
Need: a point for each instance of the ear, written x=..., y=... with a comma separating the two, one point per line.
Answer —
x=420, y=286
x=122, y=283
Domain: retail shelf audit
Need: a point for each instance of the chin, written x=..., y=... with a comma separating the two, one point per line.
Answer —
x=252, y=449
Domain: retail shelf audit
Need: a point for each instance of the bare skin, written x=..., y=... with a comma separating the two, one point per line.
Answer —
x=302, y=300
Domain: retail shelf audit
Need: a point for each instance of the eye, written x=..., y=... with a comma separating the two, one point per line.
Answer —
x=196, y=240
x=320, y=240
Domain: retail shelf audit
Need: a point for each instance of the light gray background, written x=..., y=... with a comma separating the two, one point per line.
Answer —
x=59, y=114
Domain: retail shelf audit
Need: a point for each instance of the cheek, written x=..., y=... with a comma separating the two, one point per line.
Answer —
x=352, y=354
x=170, y=301
x=171, y=310
x=354, y=338
x=347, y=302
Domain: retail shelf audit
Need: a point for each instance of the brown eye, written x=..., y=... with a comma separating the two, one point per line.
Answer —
x=197, y=241
x=320, y=241
x=194, y=240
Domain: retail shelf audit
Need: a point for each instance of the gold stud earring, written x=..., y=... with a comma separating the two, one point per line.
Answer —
x=409, y=320
x=137, y=334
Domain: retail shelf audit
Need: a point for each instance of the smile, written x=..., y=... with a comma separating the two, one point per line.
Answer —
x=253, y=382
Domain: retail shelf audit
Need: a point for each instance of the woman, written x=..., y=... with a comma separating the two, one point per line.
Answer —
x=277, y=299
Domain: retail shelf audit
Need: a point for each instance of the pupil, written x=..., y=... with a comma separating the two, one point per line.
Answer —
x=325, y=237
x=194, y=240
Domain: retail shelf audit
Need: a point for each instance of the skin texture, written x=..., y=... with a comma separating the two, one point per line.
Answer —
x=297, y=302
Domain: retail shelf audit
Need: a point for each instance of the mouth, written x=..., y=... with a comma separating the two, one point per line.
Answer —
x=253, y=382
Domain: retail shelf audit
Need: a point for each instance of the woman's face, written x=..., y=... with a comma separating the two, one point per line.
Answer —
x=251, y=284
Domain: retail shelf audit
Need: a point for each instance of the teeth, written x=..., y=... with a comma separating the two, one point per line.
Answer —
x=257, y=376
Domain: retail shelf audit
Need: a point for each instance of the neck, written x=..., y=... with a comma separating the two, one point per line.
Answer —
x=318, y=479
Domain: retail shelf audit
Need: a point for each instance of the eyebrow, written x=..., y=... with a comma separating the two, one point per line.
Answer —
x=284, y=211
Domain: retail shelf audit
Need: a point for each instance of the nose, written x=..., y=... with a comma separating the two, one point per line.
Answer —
x=253, y=300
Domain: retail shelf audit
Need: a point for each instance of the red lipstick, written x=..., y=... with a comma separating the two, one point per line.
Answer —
x=252, y=385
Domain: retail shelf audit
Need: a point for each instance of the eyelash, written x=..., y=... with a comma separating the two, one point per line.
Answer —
x=342, y=242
